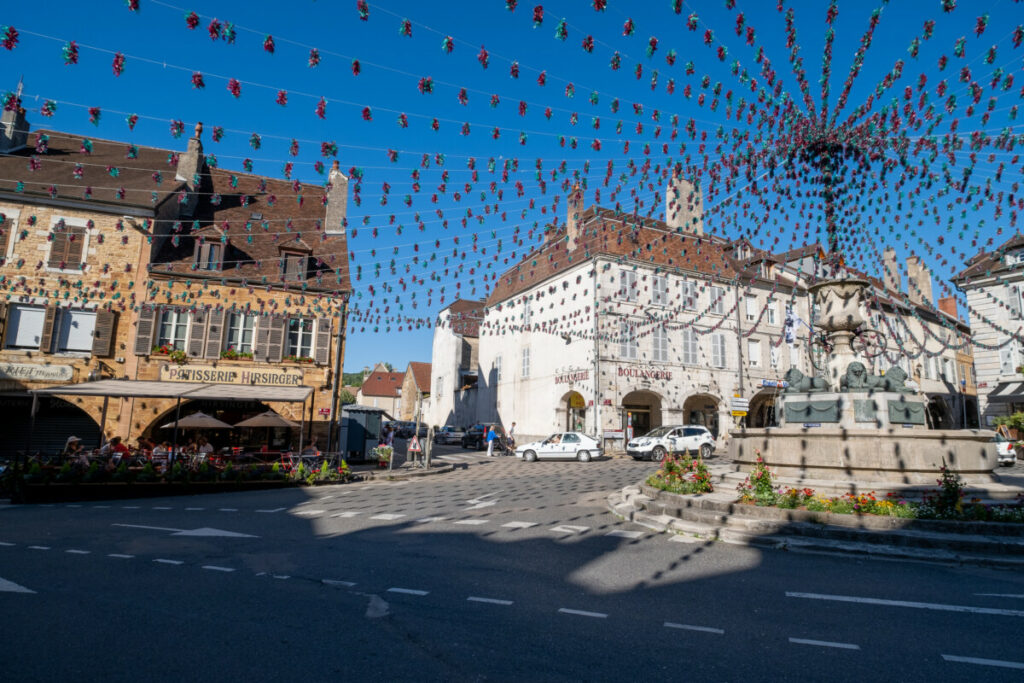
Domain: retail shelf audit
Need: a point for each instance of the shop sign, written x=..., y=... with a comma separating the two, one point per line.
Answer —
x=325, y=412
x=775, y=383
x=206, y=374
x=576, y=401
x=645, y=373
x=613, y=434
x=572, y=377
x=30, y=372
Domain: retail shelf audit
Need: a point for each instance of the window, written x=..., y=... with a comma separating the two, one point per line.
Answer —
x=627, y=285
x=689, y=346
x=1013, y=295
x=300, y=337
x=773, y=312
x=439, y=383
x=948, y=373
x=717, y=300
x=497, y=368
x=76, y=330
x=660, y=344
x=240, y=329
x=570, y=438
x=689, y=294
x=751, y=305
x=627, y=342
x=67, y=247
x=7, y=228
x=526, y=314
x=208, y=256
x=754, y=353
x=773, y=355
x=659, y=290
x=293, y=266
x=718, y=350
x=25, y=326
x=526, y=361
x=173, y=329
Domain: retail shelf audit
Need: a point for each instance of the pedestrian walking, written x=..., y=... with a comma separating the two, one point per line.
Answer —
x=512, y=437
x=491, y=436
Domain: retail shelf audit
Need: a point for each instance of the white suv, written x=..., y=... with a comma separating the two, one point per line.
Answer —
x=672, y=439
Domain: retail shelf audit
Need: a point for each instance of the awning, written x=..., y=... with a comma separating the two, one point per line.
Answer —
x=125, y=388
x=1007, y=392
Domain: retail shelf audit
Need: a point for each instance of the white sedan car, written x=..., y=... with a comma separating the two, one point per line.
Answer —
x=561, y=446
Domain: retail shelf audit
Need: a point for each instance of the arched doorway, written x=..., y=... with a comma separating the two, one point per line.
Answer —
x=641, y=412
x=572, y=412
x=761, y=412
x=56, y=420
x=702, y=409
x=939, y=414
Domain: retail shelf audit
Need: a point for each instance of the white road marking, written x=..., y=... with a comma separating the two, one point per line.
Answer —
x=408, y=591
x=129, y=507
x=228, y=509
x=215, y=568
x=162, y=561
x=205, y=531
x=519, y=525
x=194, y=509
x=679, y=538
x=824, y=643
x=581, y=613
x=570, y=529
x=472, y=522
x=100, y=507
x=424, y=520
x=123, y=557
x=622, y=533
x=377, y=608
x=11, y=587
x=690, y=627
x=334, y=582
x=387, y=516
x=311, y=513
x=346, y=515
x=489, y=601
x=74, y=505
x=39, y=547
x=163, y=508
x=904, y=603
x=483, y=504
x=142, y=526
x=78, y=552
x=1001, y=595
x=274, y=510
x=282, y=577
x=6, y=544
x=984, y=662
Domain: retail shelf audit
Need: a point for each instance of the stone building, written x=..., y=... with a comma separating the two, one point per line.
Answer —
x=193, y=274
x=382, y=388
x=415, y=392
x=455, y=364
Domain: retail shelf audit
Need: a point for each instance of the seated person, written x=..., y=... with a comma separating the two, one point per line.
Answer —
x=556, y=439
x=119, y=450
x=72, y=447
x=204, y=447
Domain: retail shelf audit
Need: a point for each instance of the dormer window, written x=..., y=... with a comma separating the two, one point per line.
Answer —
x=293, y=266
x=209, y=256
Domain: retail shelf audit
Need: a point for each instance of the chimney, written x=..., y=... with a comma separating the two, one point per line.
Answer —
x=684, y=206
x=191, y=169
x=891, y=267
x=572, y=223
x=14, y=126
x=919, y=282
x=947, y=304
x=337, y=201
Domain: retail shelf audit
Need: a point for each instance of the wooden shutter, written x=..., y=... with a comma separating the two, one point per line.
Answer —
x=322, y=352
x=58, y=248
x=197, y=334
x=144, y=330
x=275, y=338
x=49, y=322
x=6, y=226
x=3, y=324
x=261, y=336
x=215, y=334
x=74, y=256
x=103, y=334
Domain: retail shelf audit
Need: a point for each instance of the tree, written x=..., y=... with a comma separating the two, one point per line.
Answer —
x=346, y=397
x=352, y=379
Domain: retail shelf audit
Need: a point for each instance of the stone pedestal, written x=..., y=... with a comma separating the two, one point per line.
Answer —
x=853, y=410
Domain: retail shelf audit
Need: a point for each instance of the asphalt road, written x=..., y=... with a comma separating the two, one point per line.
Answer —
x=502, y=570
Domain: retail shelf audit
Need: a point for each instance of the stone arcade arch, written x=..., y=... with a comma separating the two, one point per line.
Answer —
x=641, y=411
x=761, y=412
x=572, y=412
x=56, y=420
x=702, y=409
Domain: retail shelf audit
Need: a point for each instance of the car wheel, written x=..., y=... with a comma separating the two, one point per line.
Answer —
x=658, y=454
x=530, y=456
x=583, y=456
x=705, y=450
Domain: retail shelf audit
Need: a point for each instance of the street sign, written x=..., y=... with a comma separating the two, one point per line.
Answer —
x=325, y=411
x=739, y=413
x=414, y=446
x=739, y=403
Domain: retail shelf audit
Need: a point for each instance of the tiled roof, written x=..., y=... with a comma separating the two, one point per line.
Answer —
x=382, y=384
x=990, y=262
x=607, y=233
x=465, y=316
x=420, y=373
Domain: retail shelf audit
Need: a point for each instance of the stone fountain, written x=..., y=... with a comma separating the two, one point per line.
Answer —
x=854, y=432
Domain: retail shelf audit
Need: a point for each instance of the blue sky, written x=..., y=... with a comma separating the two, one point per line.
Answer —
x=406, y=254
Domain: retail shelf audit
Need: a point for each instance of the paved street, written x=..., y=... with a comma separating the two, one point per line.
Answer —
x=501, y=570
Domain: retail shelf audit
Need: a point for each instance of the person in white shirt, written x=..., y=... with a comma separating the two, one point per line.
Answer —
x=205, y=447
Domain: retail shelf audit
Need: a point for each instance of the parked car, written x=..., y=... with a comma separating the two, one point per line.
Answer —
x=476, y=437
x=1006, y=451
x=672, y=439
x=561, y=446
x=448, y=435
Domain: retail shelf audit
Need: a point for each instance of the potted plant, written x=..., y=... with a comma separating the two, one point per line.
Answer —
x=383, y=454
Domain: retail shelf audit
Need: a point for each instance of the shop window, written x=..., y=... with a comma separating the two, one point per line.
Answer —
x=300, y=337
x=24, y=326
x=75, y=334
x=718, y=300
x=173, y=329
x=240, y=331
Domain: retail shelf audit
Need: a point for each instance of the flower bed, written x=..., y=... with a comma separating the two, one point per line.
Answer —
x=682, y=475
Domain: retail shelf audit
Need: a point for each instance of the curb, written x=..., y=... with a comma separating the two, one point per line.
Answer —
x=396, y=476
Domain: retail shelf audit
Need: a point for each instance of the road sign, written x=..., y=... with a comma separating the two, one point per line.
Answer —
x=739, y=413
x=414, y=446
x=739, y=403
x=325, y=411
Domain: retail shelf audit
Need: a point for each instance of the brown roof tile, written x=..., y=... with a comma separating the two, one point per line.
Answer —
x=421, y=373
x=465, y=316
x=383, y=384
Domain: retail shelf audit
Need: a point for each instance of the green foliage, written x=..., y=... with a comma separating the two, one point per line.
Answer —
x=759, y=486
x=352, y=379
x=148, y=474
x=122, y=473
x=682, y=475
x=1015, y=421
x=94, y=474
x=68, y=474
x=346, y=397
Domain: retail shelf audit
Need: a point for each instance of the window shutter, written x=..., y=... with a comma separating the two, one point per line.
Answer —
x=197, y=334
x=103, y=334
x=49, y=322
x=751, y=303
x=275, y=338
x=6, y=225
x=261, y=336
x=215, y=334
x=144, y=330
x=322, y=352
x=1013, y=301
x=75, y=253
x=1006, y=355
x=58, y=248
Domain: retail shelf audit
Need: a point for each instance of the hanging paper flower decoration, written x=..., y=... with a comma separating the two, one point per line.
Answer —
x=691, y=21
x=321, y=108
x=405, y=29
x=448, y=44
x=628, y=28
x=403, y=121
x=197, y=81
x=314, y=57
x=364, y=9
x=133, y=5
x=463, y=96
x=980, y=25
x=425, y=85
x=94, y=116
x=11, y=102
x=255, y=141
x=70, y=52
x=282, y=98
x=483, y=57
x=948, y=5
x=435, y=124
x=235, y=88
x=495, y=101
x=218, y=133
x=542, y=78
x=570, y=91
x=367, y=114
x=616, y=61
x=588, y=44
x=177, y=128
x=78, y=171
x=268, y=44
x=328, y=149
x=229, y=34
x=562, y=30
x=191, y=20
x=513, y=70
x=247, y=165
x=10, y=37
x=538, y=16
x=510, y=5
x=214, y=29
x=131, y=121
x=357, y=68
x=86, y=147
x=652, y=47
